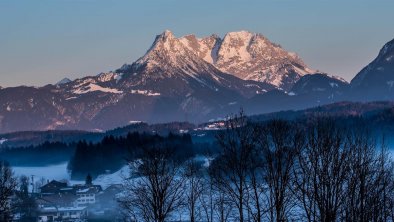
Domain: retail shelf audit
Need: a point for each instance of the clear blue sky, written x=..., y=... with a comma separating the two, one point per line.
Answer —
x=42, y=41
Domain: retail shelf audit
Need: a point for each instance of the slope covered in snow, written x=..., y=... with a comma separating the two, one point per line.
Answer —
x=171, y=66
x=59, y=172
x=93, y=87
x=249, y=56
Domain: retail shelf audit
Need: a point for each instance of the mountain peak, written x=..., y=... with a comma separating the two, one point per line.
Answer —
x=169, y=55
x=246, y=55
x=387, y=52
x=167, y=34
x=165, y=44
x=239, y=34
x=162, y=39
x=251, y=56
x=63, y=81
x=377, y=77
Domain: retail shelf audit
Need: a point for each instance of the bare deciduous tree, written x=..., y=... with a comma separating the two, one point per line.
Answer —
x=157, y=190
x=257, y=189
x=8, y=186
x=342, y=175
x=194, y=188
x=230, y=170
x=25, y=204
x=322, y=171
x=280, y=142
x=363, y=172
x=370, y=177
x=207, y=197
x=223, y=206
x=276, y=171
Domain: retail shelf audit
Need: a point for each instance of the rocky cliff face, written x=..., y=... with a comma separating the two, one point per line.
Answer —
x=172, y=68
x=249, y=56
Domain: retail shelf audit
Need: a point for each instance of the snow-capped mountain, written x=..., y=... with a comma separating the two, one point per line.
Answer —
x=186, y=79
x=168, y=83
x=172, y=68
x=249, y=56
x=377, y=79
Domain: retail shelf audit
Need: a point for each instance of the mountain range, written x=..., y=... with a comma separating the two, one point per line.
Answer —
x=378, y=116
x=191, y=79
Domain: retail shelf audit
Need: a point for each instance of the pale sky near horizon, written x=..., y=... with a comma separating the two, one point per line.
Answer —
x=43, y=41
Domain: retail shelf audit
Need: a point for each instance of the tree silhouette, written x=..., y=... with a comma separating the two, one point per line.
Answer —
x=89, y=180
x=8, y=184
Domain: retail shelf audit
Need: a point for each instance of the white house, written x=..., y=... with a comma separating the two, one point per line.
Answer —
x=86, y=196
x=48, y=214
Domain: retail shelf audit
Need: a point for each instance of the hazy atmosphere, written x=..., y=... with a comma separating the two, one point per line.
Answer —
x=196, y=111
x=44, y=41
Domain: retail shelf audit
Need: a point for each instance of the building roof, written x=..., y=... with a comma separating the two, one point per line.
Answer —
x=54, y=183
x=115, y=187
x=57, y=200
x=110, y=194
x=60, y=209
x=88, y=190
x=83, y=188
x=63, y=209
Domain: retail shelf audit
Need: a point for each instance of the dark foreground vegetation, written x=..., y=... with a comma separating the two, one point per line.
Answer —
x=276, y=171
x=105, y=156
x=112, y=152
x=317, y=169
x=14, y=197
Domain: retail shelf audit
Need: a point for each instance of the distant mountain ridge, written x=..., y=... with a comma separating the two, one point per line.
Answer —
x=64, y=81
x=190, y=79
x=377, y=78
x=380, y=114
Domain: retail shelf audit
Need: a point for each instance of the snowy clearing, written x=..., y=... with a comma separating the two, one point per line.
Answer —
x=59, y=172
x=93, y=87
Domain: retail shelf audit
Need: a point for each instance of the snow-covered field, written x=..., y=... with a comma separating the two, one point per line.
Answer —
x=59, y=172
x=114, y=178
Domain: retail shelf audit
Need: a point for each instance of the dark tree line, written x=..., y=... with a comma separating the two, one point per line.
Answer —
x=112, y=152
x=314, y=170
x=47, y=153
